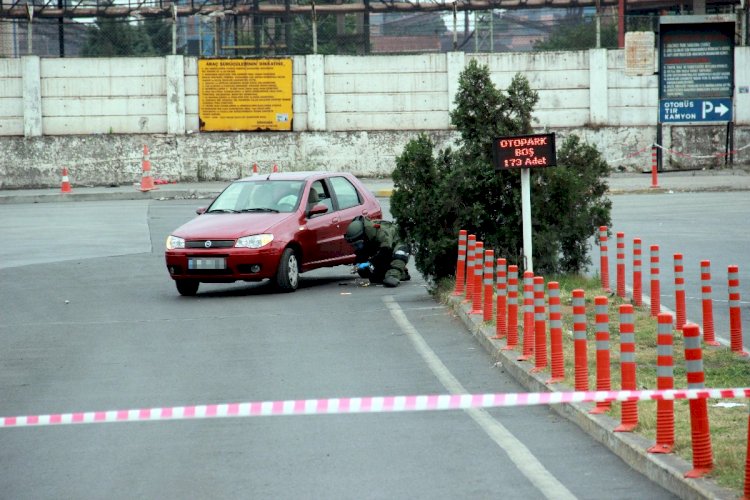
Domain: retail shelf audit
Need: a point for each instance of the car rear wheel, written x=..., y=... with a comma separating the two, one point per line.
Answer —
x=187, y=287
x=287, y=275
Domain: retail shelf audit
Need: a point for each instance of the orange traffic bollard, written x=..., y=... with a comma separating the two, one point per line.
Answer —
x=620, y=265
x=707, y=304
x=637, y=273
x=629, y=417
x=580, y=341
x=699, y=431
x=664, y=381
x=528, y=316
x=540, y=327
x=476, y=287
x=460, y=264
x=512, y=308
x=489, y=285
x=501, y=316
x=603, y=381
x=655, y=285
x=555, y=333
x=603, y=258
x=735, y=314
x=679, y=291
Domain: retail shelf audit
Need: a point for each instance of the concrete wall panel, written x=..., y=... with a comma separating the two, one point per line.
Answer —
x=101, y=106
x=115, y=67
x=375, y=103
x=146, y=124
x=341, y=83
x=104, y=86
x=433, y=120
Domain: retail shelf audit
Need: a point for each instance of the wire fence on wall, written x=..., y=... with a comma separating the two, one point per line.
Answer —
x=224, y=34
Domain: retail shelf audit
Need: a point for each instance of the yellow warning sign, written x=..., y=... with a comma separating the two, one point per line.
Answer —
x=245, y=94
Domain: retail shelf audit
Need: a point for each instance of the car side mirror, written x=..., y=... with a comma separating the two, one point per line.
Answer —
x=201, y=210
x=317, y=210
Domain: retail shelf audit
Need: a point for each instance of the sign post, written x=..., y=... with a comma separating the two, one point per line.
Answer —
x=525, y=152
x=696, y=70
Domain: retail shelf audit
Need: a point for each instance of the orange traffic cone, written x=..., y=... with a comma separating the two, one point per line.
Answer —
x=147, y=182
x=255, y=168
x=275, y=168
x=65, y=186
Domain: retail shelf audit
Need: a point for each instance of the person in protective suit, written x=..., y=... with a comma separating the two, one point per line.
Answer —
x=381, y=256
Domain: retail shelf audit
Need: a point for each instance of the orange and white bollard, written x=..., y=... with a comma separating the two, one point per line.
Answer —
x=620, y=265
x=654, y=168
x=528, y=316
x=512, y=308
x=501, y=315
x=679, y=291
x=540, y=327
x=699, y=429
x=555, y=333
x=460, y=264
x=476, y=289
x=580, y=349
x=147, y=181
x=65, y=184
x=637, y=273
x=603, y=380
x=489, y=285
x=707, y=305
x=603, y=258
x=471, y=250
x=629, y=413
x=664, y=381
x=655, y=285
x=735, y=315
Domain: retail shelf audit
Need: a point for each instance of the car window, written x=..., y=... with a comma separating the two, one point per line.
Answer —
x=322, y=194
x=346, y=194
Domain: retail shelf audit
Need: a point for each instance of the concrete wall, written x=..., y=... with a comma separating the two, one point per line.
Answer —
x=350, y=113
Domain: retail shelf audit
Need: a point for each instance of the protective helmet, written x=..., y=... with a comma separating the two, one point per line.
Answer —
x=356, y=230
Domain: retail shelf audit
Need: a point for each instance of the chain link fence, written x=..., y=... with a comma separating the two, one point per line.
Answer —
x=224, y=34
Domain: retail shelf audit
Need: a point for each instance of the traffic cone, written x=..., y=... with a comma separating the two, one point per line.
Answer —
x=147, y=182
x=65, y=186
x=255, y=168
x=275, y=168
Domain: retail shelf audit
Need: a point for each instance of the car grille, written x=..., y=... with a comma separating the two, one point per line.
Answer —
x=214, y=244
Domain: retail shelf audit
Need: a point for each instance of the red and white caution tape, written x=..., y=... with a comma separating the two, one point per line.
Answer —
x=377, y=404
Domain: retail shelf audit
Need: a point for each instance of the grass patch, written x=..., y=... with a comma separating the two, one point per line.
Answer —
x=722, y=368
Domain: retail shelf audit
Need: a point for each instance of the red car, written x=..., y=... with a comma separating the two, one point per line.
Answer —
x=273, y=226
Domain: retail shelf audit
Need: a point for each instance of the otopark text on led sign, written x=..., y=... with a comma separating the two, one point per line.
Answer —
x=524, y=151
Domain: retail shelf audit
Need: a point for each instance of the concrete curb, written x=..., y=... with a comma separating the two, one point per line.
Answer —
x=666, y=470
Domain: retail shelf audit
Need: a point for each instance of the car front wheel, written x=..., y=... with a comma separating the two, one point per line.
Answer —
x=187, y=287
x=287, y=275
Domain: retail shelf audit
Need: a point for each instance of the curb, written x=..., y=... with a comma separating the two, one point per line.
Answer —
x=666, y=470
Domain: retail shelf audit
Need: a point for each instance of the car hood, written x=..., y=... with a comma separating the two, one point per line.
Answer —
x=230, y=226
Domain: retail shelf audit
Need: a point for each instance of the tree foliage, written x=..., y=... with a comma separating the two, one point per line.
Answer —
x=436, y=196
x=109, y=37
x=579, y=33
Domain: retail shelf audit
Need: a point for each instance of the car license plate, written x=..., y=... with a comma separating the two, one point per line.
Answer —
x=207, y=263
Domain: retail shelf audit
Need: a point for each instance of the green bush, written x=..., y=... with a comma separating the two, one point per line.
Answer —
x=436, y=196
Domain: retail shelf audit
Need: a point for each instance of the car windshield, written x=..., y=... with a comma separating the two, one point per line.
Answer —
x=258, y=196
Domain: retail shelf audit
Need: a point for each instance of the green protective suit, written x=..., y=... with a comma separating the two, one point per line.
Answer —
x=385, y=251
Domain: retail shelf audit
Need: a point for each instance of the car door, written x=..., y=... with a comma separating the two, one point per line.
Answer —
x=349, y=204
x=323, y=230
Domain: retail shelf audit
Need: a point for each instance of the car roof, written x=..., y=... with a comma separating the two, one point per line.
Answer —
x=291, y=176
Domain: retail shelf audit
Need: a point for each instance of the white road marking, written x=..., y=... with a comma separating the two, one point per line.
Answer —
x=519, y=454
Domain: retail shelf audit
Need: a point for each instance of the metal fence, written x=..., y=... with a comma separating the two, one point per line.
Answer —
x=226, y=34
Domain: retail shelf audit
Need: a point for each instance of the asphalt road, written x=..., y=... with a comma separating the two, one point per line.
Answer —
x=91, y=321
x=701, y=226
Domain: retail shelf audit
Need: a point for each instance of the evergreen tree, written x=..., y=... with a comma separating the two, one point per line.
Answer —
x=435, y=197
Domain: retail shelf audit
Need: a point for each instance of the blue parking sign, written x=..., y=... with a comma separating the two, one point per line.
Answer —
x=695, y=110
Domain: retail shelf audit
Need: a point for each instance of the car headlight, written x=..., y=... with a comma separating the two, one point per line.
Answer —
x=174, y=242
x=254, y=241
